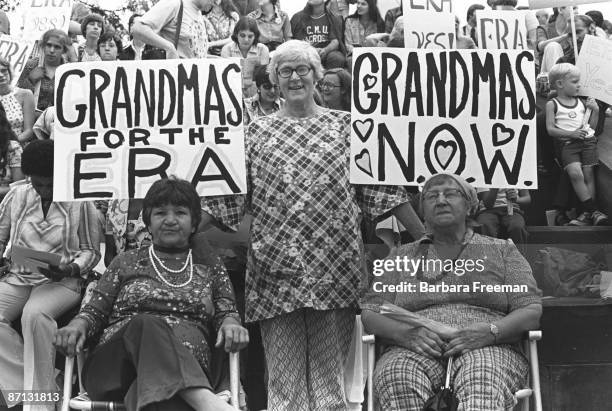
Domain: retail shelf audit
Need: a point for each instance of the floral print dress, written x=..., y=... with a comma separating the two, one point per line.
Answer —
x=130, y=286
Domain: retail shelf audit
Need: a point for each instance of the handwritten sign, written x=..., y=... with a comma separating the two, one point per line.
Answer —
x=119, y=127
x=542, y=4
x=416, y=113
x=501, y=29
x=16, y=51
x=40, y=16
x=428, y=24
x=594, y=62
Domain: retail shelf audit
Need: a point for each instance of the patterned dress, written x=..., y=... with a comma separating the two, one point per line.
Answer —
x=485, y=378
x=14, y=112
x=130, y=286
x=305, y=246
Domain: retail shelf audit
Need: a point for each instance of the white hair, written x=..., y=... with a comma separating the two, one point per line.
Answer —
x=295, y=50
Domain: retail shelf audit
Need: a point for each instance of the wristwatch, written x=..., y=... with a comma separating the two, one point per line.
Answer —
x=494, y=330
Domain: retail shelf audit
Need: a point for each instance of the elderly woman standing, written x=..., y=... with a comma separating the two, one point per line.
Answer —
x=305, y=260
x=488, y=366
x=30, y=218
x=154, y=307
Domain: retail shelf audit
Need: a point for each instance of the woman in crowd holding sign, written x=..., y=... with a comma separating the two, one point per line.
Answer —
x=39, y=76
x=306, y=259
x=18, y=104
x=477, y=325
x=39, y=293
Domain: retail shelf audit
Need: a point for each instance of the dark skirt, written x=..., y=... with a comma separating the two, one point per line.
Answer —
x=144, y=366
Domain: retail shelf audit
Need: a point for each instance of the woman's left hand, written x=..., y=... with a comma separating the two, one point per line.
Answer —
x=235, y=336
x=469, y=338
x=57, y=272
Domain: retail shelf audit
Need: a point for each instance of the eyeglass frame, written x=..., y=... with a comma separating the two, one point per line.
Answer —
x=270, y=86
x=327, y=84
x=294, y=70
x=445, y=194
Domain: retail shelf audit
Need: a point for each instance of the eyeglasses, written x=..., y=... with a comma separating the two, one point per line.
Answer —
x=450, y=194
x=287, y=72
x=269, y=86
x=324, y=85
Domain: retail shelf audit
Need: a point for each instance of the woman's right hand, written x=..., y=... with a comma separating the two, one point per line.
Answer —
x=36, y=74
x=71, y=339
x=422, y=341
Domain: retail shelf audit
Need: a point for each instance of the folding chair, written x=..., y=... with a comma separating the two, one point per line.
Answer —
x=522, y=396
x=82, y=401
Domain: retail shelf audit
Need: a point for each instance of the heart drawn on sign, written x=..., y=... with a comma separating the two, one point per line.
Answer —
x=363, y=129
x=362, y=161
x=369, y=81
x=444, y=152
x=501, y=135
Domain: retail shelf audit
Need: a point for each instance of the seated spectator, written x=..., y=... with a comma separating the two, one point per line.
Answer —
x=598, y=20
x=266, y=101
x=392, y=15
x=10, y=155
x=273, y=23
x=365, y=21
x=30, y=218
x=335, y=88
x=157, y=28
x=55, y=43
x=92, y=27
x=567, y=120
x=469, y=30
x=322, y=29
x=220, y=23
x=18, y=104
x=486, y=328
x=495, y=218
x=109, y=46
x=245, y=45
x=154, y=307
x=133, y=49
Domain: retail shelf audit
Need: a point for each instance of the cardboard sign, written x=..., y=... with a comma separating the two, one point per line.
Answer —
x=16, y=51
x=594, y=62
x=428, y=25
x=501, y=29
x=543, y=4
x=416, y=113
x=40, y=16
x=121, y=126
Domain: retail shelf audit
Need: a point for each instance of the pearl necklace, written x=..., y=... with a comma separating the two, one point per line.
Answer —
x=154, y=258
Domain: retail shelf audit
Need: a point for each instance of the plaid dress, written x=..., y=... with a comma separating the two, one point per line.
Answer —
x=305, y=246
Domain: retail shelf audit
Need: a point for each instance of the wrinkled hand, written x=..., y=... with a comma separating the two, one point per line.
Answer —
x=592, y=104
x=234, y=335
x=470, y=338
x=71, y=339
x=422, y=341
x=57, y=272
x=36, y=74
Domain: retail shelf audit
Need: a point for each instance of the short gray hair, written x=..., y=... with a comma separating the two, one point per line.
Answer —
x=293, y=50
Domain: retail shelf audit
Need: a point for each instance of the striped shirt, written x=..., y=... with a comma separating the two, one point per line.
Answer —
x=69, y=229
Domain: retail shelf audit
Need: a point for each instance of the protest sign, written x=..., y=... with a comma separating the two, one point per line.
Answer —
x=416, y=113
x=120, y=126
x=501, y=29
x=16, y=51
x=543, y=4
x=38, y=16
x=428, y=24
x=594, y=61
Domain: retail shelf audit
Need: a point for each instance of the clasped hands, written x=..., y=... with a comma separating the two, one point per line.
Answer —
x=57, y=272
x=423, y=341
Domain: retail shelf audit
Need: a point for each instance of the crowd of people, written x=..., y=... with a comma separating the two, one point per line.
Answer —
x=168, y=301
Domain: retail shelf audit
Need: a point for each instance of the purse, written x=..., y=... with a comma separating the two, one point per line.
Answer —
x=155, y=53
x=445, y=399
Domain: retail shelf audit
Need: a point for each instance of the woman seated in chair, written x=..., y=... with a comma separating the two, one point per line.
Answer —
x=449, y=286
x=30, y=218
x=154, y=306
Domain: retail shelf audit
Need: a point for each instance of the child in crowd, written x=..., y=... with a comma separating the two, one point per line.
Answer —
x=567, y=120
x=501, y=208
